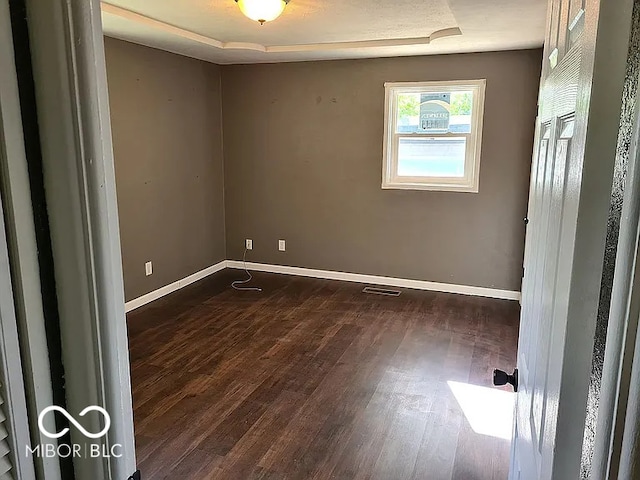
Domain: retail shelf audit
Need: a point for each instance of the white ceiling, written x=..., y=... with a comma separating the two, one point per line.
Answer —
x=216, y=30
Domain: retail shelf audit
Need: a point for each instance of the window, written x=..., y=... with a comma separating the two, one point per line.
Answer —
x=433, y=132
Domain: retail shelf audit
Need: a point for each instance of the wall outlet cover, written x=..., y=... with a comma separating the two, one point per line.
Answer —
x=248, y=244
x=282, y=245
x=148, y=268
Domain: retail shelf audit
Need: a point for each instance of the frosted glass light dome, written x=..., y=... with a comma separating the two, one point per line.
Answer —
x=262, y=10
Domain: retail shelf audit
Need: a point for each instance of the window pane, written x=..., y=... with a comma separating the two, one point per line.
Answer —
x=441, y=112
x=408, y=112
x=461, y=107
x=431, y=157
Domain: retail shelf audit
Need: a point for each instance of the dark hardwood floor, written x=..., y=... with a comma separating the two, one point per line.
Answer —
x=313, y=379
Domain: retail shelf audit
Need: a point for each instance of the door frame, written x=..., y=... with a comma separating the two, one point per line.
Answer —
x=69, y=72
x=619, y=407
x=70, y=77
x=11, y=374
x=21, y=244
x=11, y=365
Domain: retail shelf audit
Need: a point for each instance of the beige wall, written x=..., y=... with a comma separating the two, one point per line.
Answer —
x=303, y=161
x=166, y=123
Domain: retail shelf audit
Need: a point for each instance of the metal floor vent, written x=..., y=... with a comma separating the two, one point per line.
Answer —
x=382, y=291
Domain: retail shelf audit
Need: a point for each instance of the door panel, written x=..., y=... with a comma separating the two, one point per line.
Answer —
x=531, y=291
x=575, y=22
x=540, y=287
x=553, y=213
x=552, y=35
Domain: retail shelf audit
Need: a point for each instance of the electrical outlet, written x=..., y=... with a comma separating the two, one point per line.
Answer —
x=148, y=268
x=282, y=245
x=248, y=244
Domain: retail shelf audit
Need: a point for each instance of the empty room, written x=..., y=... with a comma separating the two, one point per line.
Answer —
x=407, y=175
x=304, y=239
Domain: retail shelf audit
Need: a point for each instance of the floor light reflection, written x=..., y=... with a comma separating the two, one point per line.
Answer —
x=488, y=410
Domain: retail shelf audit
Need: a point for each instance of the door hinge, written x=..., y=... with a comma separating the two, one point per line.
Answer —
x=136, y=476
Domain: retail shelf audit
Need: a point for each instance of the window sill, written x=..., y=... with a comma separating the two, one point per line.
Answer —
x=430, y=187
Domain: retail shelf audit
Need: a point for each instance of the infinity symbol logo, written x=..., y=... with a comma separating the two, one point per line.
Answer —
x=101, y=433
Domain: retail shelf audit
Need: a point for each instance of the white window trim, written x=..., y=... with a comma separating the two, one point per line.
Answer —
x=471, y=181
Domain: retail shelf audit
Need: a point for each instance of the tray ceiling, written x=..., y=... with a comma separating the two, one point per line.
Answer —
x=216, y=30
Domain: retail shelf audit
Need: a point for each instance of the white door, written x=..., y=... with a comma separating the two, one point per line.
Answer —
x=569, y=196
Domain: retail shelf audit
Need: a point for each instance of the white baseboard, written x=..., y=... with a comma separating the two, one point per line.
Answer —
x=172, y=287
x=379, y=280
x=326, y=274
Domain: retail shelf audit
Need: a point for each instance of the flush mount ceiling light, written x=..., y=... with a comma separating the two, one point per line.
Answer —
x=262, y=10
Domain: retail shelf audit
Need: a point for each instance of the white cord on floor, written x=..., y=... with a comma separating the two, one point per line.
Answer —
x=242, y=282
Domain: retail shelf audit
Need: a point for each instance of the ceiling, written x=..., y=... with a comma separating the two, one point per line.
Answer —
x=216, y=30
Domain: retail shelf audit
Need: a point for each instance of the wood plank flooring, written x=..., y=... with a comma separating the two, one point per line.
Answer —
x=313, y=379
